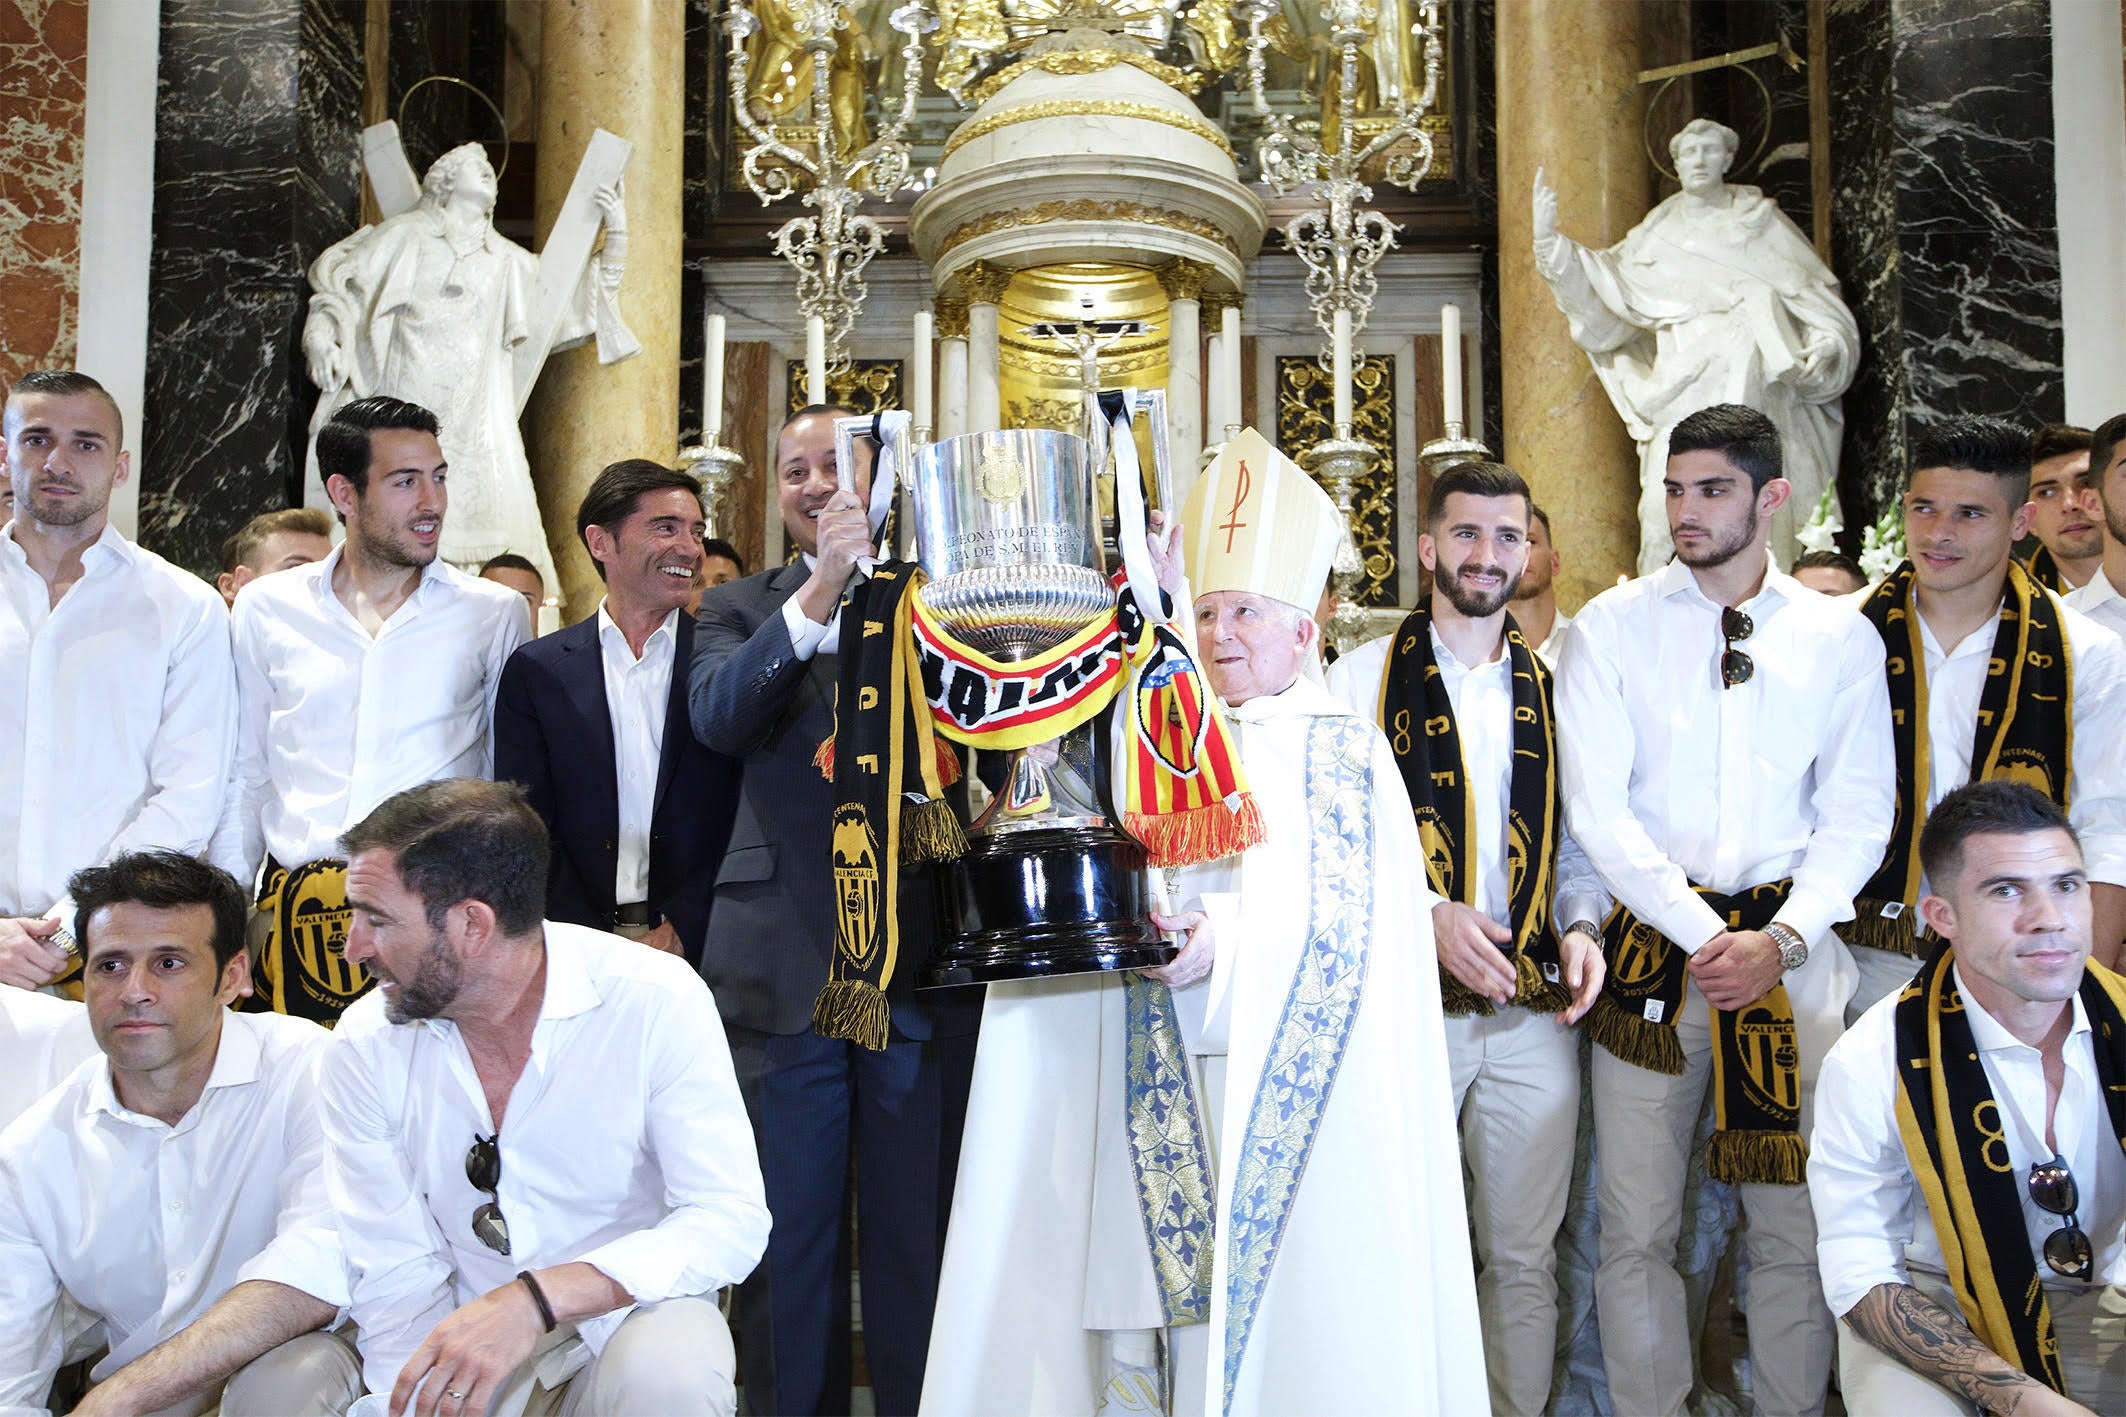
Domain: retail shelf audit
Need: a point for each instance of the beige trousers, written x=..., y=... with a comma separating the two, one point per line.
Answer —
x=1882, y=973
x=1644, y=1123
x=673, y=1359
x=1516, y=1081
x=2090, y=1325
x=311, y=1375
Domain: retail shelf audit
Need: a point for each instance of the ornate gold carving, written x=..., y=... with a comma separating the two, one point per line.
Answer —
x=1088, y=108
x=1063, y=415
x=866, y=386
x=999, y=477
x=1217, y=302
x=1306, y=407
x=1086, y=209
x=1184, y=280
x=981, y=282
x=1065, y=368
x=951, y=318
x=1087, y=61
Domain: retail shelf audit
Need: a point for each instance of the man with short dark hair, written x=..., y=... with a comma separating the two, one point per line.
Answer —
x=720, y=565
x=520, y=575
x=272, y=541
x=173, y=1187
x=1829, y=573
x=592, y=720
x=359, y=676
x=534, y=1140
x=1966, y=1166
x=2099, y=596
x=1724, y=734
x=117, y=701
x=1466, y=703
x=1989, y=677
x=2068, y=520
x=1535, y=599
x=762, y=690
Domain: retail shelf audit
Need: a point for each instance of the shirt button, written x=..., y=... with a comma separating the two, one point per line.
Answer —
x=177, y=1205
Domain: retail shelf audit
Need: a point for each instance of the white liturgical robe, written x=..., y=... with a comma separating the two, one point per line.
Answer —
x=1341, y=1278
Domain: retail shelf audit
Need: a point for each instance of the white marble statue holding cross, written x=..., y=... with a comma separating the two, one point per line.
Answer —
x=433, y=306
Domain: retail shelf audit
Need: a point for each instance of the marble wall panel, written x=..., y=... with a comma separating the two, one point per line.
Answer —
x=256, y=108
x=43, y=89
x=696, y=211
x=749, y=418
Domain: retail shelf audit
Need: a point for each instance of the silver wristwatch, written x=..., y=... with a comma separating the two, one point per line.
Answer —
x=1588, y=926
x=1793, y=950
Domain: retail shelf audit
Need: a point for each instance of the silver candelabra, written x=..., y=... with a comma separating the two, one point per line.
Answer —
x=830, y=248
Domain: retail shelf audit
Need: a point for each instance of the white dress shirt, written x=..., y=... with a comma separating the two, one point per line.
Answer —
x=42, y=1039
x=145, y=1225
x=1483, y=717
x=638, y=694
x=2100, y=601
x=1871, y=1220
x=117, y=716
x=2096, y=781
x=1671, y=779
x=624, y=1146
x=808, y=637
x=334, y=721
x=1553, y=644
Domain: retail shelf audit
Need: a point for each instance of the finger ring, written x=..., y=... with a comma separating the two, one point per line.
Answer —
x=455, y=1396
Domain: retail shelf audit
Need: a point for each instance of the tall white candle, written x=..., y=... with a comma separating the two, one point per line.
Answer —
x=1450, y=362
x=712, y=381
x=1229, y=333
x=815, y=359
x=1341, y=369
x=919, y=399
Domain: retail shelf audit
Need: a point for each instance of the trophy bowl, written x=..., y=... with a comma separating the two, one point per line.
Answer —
x=1008, y=530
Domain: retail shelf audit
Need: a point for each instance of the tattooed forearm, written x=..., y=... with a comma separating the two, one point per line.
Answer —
x=1937, y=1344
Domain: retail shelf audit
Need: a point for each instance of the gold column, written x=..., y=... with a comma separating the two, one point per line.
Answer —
x=613, y=64
x=1568, y=103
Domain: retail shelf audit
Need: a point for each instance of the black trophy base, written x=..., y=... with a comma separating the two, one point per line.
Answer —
x=1042, y=904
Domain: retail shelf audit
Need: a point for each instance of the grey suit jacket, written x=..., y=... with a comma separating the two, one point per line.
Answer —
x=771, y=934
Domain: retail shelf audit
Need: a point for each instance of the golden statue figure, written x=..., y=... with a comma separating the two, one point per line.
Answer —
x=779, y=88
x=1391, y=69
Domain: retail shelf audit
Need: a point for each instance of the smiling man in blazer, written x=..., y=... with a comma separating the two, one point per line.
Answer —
x=593, y=722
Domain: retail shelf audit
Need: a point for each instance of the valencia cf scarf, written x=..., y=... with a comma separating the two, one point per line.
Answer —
x=2025, y=734
x=890, y=810
x=1756, y=1053
x=1418, y=717
x=2046, y=572
x=1961, y=1164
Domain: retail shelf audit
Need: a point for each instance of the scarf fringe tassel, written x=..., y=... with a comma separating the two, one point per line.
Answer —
x=931, y=831
x=1763, y=1158
x=1531, y=992
x=1867, y=927
x=1642, y=1044
x=1200, y=834
x=948, y=762
x=854, y=1010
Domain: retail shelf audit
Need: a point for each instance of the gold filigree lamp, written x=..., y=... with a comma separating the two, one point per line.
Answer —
x=829, y=249
x=1339, y=242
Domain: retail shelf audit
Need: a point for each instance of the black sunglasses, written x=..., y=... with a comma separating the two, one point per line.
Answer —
x=483, y=1168
x=2067, y=1249
x=1735, y=666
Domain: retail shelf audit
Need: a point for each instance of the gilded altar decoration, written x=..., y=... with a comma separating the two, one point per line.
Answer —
x=1088, y=61
x=862, y=386
x=1085, y=209
x=1305, y=403
x=781, y=88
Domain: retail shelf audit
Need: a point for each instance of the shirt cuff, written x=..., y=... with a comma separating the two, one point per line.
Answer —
x=1853, y=1268
x=1811, y=914
x=805, y=636
x=646, y=1263
x=305, y=1258
x=1690, y=925
x=1576, y=905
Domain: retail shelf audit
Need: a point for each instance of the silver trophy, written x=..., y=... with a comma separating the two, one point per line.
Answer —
x=1008, y=530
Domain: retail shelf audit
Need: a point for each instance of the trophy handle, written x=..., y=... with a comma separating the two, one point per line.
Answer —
x=890, y=430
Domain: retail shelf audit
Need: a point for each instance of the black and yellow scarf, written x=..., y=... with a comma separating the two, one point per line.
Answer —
x=1756, y=1053
x=882, y=819
x=1961, y=1163
x=2025, y=734
x=2046, y=572
x=1418, y=717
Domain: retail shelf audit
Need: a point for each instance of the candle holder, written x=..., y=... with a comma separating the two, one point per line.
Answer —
x=1452, y=447
x=718, y=468
x=1339, y=463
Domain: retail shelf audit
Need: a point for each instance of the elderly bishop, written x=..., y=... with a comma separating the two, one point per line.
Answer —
x=1231, y=1185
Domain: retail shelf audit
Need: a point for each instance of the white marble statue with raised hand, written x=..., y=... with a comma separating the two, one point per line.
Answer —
x=434, y=306
x=1716, y=297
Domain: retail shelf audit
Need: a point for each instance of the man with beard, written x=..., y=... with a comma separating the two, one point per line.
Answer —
x=592, y=721
x=1466, y=704
x=1535, y=599
x=361, y=675
x=2068, y=517
x=116, y=696
x=1727, y=763
x=1990, y=677
x=534, y=1141
x=2099, y=597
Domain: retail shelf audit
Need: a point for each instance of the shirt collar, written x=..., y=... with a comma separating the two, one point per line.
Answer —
x=435, y=574
x=1778, y=587
x=109, y=547
x=1445, y=657
x=2100, y=588
x=1991, y=1035
x=613, y=638
x=236, y=1060
x=569, y=989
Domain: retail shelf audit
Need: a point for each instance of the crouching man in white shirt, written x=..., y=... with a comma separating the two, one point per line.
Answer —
x=1978, y=1113
x=170, y=1188
x=534, y=1138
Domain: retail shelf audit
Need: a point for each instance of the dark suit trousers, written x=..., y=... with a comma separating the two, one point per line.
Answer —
x=812, y=1099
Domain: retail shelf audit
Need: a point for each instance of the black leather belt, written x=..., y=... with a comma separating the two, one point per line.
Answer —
x=636, y=913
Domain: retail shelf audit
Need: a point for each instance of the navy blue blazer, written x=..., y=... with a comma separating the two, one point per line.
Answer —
x=554, y=734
